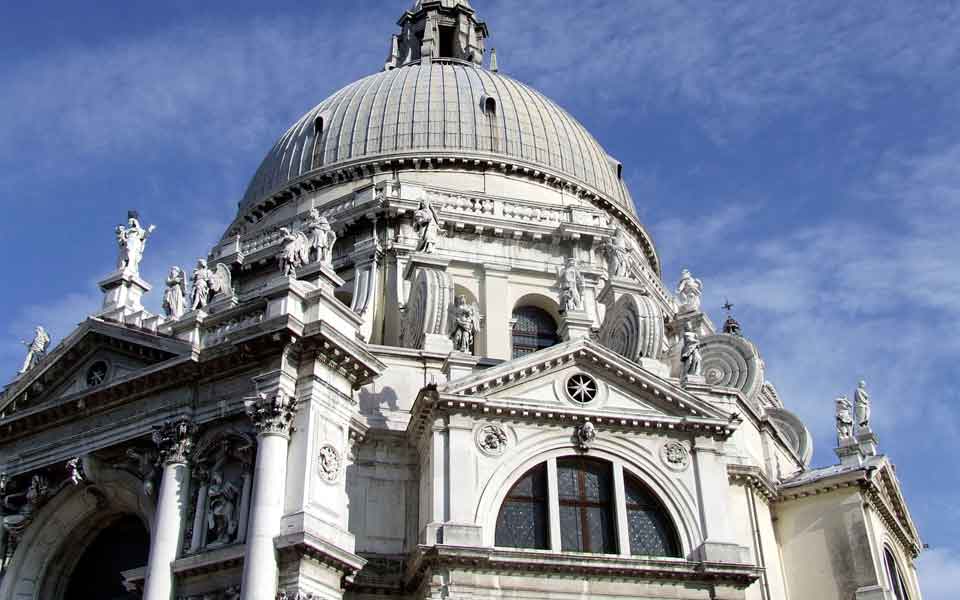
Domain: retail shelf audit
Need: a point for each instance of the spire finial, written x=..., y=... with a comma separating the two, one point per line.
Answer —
x=731, y=325
x=494, y=66
x=438, y=29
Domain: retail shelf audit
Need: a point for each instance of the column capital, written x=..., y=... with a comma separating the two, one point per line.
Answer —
x=272, y=414
x=174, y=440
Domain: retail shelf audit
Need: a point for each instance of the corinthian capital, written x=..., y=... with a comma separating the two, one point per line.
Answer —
x=272, y=413
x=174, y=440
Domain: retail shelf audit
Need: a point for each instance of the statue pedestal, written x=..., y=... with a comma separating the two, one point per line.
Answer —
x=867, y=440
x=617, y=288
x=459, y=365
x=575, y=324
x=849, y=453
x=427, y=309
x=123, y=291
x=321, y=275
x=693, y=380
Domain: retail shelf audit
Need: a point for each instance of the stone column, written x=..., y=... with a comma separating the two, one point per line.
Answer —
x=714, y=497
x=175, y=441
x=273, y=417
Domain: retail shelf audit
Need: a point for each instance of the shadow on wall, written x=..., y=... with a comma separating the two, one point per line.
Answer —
x=372, y=404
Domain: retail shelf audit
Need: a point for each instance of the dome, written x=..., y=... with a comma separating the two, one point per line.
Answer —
x=443, y=108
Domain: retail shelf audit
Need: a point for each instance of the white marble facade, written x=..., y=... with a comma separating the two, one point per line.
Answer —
x=484, y=388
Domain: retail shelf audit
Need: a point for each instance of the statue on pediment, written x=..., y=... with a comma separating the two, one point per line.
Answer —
x=466, y=325
x=295, y=252
x=617, y=251
x=21, y=507
x=689, y=291
x=321, y=236
x=175, y=296
x=36, y=349
x=844, y=418
x=426, y=222
x=132, y=241
x=570, y=282
x=861, y=403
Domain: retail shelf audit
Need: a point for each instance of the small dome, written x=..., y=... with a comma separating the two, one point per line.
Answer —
x=441, y=108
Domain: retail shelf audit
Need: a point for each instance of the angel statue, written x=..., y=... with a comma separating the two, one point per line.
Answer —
x=427, y=223
x=466, y=325
x=617, y=251
x=174, y=297
x=844, y=418
x=689, y=291
x=570, y=282
x=207, y=282
x=132, y=240
x=861, y=402
x=322, y=237
x=35, y=349
x=295, y=253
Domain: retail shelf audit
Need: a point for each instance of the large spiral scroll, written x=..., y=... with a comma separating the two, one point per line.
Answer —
x=634, y=328
x=732, y=361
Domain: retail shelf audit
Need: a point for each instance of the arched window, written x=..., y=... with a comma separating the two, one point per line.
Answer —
x=522, y=522
x=533, y=329
x=586, y=506
x=583, y=511
x=651, y=532
x=897, y=584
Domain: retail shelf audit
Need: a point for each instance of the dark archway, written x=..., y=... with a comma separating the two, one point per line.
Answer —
x=123, y=545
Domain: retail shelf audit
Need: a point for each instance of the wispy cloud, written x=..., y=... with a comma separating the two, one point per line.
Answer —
x=938, y=569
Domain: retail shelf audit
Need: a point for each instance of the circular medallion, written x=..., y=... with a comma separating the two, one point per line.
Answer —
x=582, y=388
x=675, y=455
x=329, y=463
x=492, y=440
x=97, y=373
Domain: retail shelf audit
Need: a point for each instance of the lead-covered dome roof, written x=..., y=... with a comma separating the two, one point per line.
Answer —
x=441, y=108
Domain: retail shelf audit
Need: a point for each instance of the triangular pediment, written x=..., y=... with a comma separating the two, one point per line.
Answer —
x=547, y=379
x=891, y=494
x=95, y=354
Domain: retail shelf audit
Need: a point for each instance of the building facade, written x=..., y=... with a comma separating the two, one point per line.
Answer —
x=432, y=357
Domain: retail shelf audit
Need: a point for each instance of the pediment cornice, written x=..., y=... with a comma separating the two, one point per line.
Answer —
x=672, y=399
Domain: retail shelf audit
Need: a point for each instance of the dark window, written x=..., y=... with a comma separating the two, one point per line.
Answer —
x=447, y=37
x=897, y=584
x=651, y=532
x=534, y=329
x=522, y=522
x=586, y=506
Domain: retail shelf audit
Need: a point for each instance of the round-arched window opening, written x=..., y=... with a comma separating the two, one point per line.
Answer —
x=97, y=373
x=121, y=546
x=533, y=329
x=582, y=388
x=897, y=584
x=318, y=126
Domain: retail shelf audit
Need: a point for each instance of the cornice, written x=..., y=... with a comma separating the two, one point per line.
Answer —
x=754, y=478
x=545, y=564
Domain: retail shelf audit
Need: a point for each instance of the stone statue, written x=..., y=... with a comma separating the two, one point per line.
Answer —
x=861, y=401
x=222, y=514
x=689, y=291
x=321, y=235
x=427, y=224
x=844, y=418
x=617, y=251
x=132, y=240
x=570, y=282
x=20, y=507
x=174, y=297
x=35, y=349
x=466, y=325
x=75, y=471
x=207, y=282
x=295, y=253
x=690, y=356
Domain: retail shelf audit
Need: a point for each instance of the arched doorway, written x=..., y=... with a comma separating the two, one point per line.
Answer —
x=123, y=545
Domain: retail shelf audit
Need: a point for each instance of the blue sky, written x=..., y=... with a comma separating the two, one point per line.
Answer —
x=800, y=157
